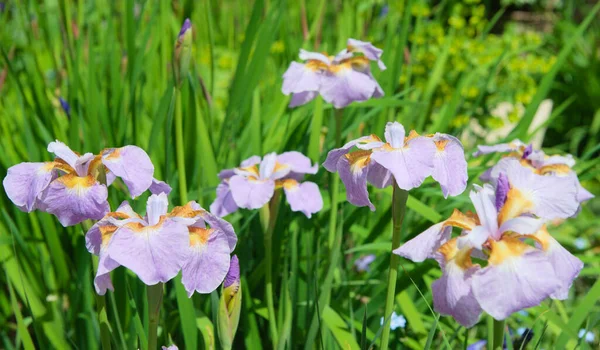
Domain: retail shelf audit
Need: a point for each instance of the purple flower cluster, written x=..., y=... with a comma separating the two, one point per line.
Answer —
x=254, y=182
x=340, y=80
x=407, y=159
x=525, y=264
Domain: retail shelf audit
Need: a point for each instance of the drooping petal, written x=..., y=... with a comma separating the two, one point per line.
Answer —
x=452, y=293
x=251, y=193
x=379, y=176
x=410, y=164
x=353, y=170
x=208, y=261
x=307, y=55
x=301, y=78
x=102, y=281
x=449, y=165
x=517, y=277
x=304, y=197
x=549, y=197
x=102, y=230
x=298, y=162
x=365, y=143
x=346, y=86
x=24, y=183
x=154, y=253
x=159, y=187
x=224, y=203
x=302, y=98
x=425, y=244
x=131, y=164
x=216, y=222
x=394, y=134
x=371, y=52
x=566, y=265
x=74, y=199
x=583, y=195
x=501, y=147
x=484, y=203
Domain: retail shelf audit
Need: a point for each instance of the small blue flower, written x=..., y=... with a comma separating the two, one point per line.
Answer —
x=589, y=336
x=521, y=331
x=397, y=321
x=580, y=243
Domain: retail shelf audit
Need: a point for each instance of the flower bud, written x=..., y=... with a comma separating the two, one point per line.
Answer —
x=183, y=51
x=230, y=305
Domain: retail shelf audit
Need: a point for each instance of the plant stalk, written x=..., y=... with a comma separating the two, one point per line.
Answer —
x=155, y=297
x=268, y=215
x=398, y=210
x=498, y=338
x=179, y=148
x=335, y=182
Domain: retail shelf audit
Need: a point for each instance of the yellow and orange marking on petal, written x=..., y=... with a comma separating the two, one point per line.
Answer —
x=358, y=160
x=461, y=257
x=516, y=204
x=78, y=185
x=505, y=249
x=465, y=221
x=288, y=184
x=199, y=236
x=560, y=169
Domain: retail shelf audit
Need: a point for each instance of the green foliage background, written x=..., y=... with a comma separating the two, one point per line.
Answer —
x=449, y=64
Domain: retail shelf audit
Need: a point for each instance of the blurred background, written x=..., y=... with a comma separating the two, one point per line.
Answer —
x=97, y=74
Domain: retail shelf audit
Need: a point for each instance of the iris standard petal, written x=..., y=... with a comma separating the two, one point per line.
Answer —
x=346, y=86
x=156, y=207
x=63, y=152
x=24, y=183
x=371, y=52
x=159, y=187
x=251, y=193
x=517, y=277
x=484, y=202
x=501, y=147
x=353, y=170
x=411, y=164
x=131, y=164
x=566, y=265
x=317, y=56
x=224, y=204
x=449, y=165
x=208, y=261
x=425, y=244
x=522, y=225
x=394, y=134
x=154, y=253
x=304, y=197
x=74, y=199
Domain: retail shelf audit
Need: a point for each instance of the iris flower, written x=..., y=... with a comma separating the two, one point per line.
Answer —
x=518, y=275
x=69, y=186
x=254, y=182
x=407, y=159
x=340, y=80
x=156, y=247
x=536, y=161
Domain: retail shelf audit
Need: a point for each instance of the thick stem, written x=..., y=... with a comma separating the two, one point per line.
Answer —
x=155, y=296
x=179, y=148
x=398, y=210
x=498, y=338
x=268, y=219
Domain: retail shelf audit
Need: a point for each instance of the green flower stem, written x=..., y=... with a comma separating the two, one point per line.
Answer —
x=335, y=181
x=101, y=310
x=498, y=338
x=100, y=299
x=179, y=148
x=268, y=215
x=155, y=297
x=398, y=210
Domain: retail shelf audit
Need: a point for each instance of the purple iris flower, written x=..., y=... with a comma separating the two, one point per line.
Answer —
x=68, y=187
x=156, y=247
x=254, y=182
x=407, y=159
x=363, y=263
x=534, y=160
x=340, y=80
x=65, y=106
x=517, y=275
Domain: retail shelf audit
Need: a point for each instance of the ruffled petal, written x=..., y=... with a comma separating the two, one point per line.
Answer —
x=298, y=162
x=304, y=197
x=131, y=164
x=346, y=86
x=207, y=263
x=159, y=187
x=154, y=253
x=517, y=277
x=371, y=52
x=411, y=164
x=251, y=193
x=394, y=134
x=224, y=204
x=449, y=165
x=425, y=244
x=24, y=183
x=74, y=199
x=501, y=147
